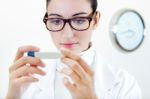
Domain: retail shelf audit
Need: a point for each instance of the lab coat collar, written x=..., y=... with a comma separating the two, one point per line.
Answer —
x=89, y=56
x=104, y=74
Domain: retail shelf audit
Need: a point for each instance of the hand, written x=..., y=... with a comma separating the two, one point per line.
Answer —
x=21, y=72
x=80, y=73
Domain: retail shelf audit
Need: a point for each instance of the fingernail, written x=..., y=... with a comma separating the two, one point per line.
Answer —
x=43, y=64
x=62, y=59
x=36, y=80
x=43, y=74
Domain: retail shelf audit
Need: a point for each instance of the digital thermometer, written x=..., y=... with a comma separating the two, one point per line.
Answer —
x=44, y=55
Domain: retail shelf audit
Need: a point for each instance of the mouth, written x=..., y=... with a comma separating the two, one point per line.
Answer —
x=69, y=45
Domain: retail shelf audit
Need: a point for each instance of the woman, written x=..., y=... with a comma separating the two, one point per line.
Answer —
x=70, y=23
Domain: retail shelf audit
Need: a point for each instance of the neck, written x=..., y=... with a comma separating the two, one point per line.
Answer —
x=90, y=44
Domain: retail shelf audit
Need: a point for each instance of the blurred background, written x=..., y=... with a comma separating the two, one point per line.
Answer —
x=21, y=24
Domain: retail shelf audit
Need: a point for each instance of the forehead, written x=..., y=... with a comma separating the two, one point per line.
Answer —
x=65, y=7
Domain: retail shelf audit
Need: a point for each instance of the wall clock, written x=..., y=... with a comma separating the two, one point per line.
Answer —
x=127, y=29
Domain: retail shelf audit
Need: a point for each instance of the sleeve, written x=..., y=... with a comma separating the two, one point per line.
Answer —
x=126, y=88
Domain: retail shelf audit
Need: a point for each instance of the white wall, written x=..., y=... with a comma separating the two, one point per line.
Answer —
x=137, y=62
x=21, y=24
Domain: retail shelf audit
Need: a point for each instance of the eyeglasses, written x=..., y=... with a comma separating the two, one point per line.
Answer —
x=76, y=23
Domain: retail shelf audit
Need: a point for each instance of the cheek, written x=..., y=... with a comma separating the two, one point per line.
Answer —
x=55, y=37
x=85, y=36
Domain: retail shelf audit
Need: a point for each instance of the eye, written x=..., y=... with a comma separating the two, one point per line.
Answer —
x=55, y=21
x=79, y=20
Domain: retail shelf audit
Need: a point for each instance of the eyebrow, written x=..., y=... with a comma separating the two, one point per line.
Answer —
x=54, y=14
x=80, y=13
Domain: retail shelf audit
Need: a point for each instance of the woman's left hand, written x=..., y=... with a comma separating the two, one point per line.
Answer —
x=81, y=74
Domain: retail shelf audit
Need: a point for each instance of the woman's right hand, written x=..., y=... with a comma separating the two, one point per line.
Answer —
x=21, y=72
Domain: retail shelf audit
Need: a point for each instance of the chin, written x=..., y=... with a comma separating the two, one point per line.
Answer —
x=73, y=49
x=76, y=50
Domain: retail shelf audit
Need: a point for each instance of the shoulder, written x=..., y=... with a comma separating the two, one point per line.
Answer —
x=117, y=82
x=124, y=84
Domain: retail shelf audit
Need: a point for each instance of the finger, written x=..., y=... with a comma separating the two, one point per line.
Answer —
x=27, y=60
x=26, y=80
x=26, y=70
x=69, y=86
x=72, y=75
x=74, y=56
x=75, y=67
x=23, y=49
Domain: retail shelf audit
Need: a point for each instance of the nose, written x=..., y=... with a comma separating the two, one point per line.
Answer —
x=68, y=32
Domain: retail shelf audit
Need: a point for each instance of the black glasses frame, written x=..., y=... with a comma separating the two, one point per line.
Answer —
x=90, y=17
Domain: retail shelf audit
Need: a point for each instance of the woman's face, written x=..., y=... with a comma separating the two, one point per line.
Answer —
x=69, y=38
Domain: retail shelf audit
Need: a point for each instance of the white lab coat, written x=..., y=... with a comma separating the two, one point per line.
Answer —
x=110, y=83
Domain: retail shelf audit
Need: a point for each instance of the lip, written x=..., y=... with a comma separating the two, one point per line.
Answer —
x=68, y=45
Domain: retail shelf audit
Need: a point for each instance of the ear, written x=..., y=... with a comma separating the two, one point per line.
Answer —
x=96, y=19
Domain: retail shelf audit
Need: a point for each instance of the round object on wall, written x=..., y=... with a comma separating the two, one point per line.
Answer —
x=127, y=29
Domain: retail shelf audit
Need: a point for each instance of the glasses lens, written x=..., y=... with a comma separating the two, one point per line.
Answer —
x=80, y=23
x=55, y=24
